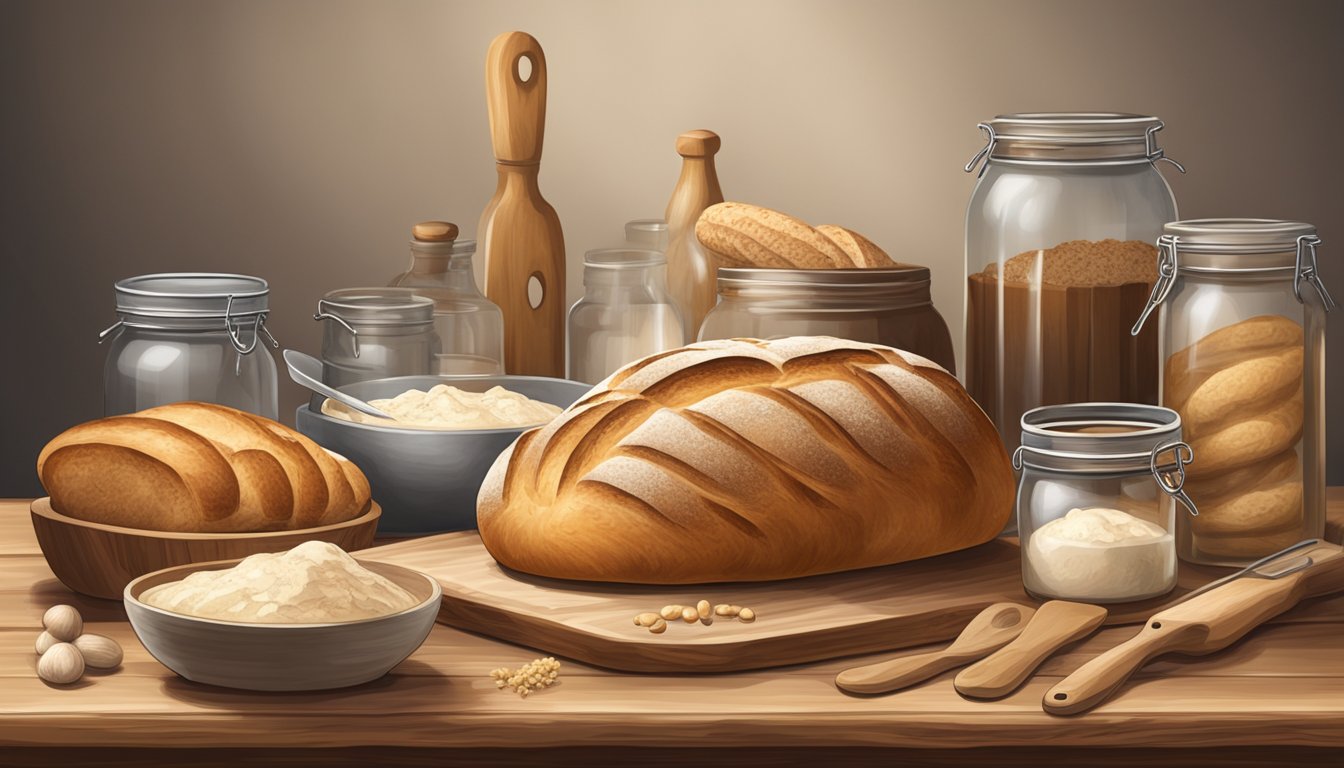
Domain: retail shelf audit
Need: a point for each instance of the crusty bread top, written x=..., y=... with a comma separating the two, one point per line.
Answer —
x=1085, y=263
x=744, y=447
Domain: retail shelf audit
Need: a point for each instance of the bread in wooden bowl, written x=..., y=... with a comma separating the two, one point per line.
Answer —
x=199, y=468
x=745, y=460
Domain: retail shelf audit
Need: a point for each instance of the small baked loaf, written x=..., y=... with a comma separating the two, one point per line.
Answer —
x=743, y=235
x=1239, y=393
x=745, y=460
x=198, y=467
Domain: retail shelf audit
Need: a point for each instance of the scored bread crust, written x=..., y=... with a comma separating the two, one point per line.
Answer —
x=861, y=251
x=743, y=460
x=198, y=467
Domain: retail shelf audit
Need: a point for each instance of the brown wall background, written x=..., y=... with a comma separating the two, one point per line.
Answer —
x=299, y=140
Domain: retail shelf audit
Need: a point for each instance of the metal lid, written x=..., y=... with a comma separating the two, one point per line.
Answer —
x=191, y=295
x=1256, y=249
x=1109, y=439
x=1071, y=138
x=901, y=287
x=364, y=307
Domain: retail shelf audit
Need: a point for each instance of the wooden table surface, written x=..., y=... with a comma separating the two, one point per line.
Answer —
x=1278, y=696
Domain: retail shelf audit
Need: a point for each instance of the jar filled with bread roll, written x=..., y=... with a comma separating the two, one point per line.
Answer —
x=888, y=306
x=375, y=333
x=1060, y=260
x=190, y=336
x=1097, y=500
x=1242, y=321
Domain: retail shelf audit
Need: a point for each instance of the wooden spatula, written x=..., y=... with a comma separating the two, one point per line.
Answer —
x=1208, y=621
x=520, y=232
x=991, y=629
x=1055, y=625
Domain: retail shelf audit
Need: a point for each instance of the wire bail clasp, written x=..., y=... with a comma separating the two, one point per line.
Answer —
x=1154, y=152
x=1167, y=265
x=1184, y=454
x=1308, y=271
x=990, y=140
x=322, y=314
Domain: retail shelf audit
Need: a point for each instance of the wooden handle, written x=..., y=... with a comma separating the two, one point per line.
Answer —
x=901, y=672
x=698, y=143
x=1056, y=624
x=517, y=107
x=1095, y=681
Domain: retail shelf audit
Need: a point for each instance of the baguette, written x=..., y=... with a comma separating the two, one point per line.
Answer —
x=745, y=235
x=744, y=460
x=198, y=467
x=861, y=251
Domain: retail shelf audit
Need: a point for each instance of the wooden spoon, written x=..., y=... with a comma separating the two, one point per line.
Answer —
x=990, y=630
x=1055, y=625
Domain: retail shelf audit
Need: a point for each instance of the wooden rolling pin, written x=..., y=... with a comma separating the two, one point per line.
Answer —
x=1206, y=622
x=520, y=232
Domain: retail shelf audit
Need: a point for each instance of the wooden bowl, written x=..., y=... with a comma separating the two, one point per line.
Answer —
x=283, y=657
x=100, y=560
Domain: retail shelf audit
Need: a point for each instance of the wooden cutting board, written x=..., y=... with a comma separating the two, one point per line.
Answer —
x=800, y=620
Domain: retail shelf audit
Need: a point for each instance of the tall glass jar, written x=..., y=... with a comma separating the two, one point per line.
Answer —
x=1059, y=262
x=375, y=333
x=470, y=326
x=1243, y=345
x=650, y=234
x=190, y=336
x=625, y=313
x=1096, y=502
x=881, y=306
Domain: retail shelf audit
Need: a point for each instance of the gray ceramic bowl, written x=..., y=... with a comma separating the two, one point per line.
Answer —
x=282, y=657
x=426, y=480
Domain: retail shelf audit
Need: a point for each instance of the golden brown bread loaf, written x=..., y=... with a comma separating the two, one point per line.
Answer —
x=1239, y=392
x=198, y=467
x=743, y=460
x=744, y=235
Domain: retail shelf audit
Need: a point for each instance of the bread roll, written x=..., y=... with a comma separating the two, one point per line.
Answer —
x=198, y=467
x=860, y=250
x=745, y=235
x=743, y=460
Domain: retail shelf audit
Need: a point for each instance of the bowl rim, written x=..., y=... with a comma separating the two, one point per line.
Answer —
x=42, y=507
x=435, y=599
x=318, y=414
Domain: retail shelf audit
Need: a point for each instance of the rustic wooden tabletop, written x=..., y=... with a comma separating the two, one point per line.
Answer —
x=1276, y=697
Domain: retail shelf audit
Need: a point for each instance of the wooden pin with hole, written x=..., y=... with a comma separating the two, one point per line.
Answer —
x=520, y=232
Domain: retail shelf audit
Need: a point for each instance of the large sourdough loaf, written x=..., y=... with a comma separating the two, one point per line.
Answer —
x=743, y=460
x=198, y=467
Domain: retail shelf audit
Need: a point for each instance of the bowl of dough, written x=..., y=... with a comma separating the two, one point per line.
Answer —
x=427, y=466
x=311, y=618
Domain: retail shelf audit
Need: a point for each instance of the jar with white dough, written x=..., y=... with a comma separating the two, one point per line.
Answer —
x=1097, y=500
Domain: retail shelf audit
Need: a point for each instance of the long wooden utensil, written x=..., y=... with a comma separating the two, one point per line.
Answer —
x=1055, y=625
x=990, y=630
x=1209, y=620
x=520, y=232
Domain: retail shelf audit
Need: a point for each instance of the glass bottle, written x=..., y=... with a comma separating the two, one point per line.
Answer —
x=650, y=234
x=625, y=313
x=470, y=326
x=1243, y=315
x=190, y=336
x=1060, y=260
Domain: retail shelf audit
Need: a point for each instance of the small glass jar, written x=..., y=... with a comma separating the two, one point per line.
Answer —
x=470, y=326
x=190, y=336
x=376, y=333
x=1243, y=344
x=1059, y=261
x=649, y=234
x=881, y=306
x=625, y=313
x=1097, y=500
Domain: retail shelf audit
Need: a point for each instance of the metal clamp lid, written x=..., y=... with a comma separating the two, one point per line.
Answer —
x=1305, y=270
x=1183, y=455
x=1068, y=139
x=230, y=321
